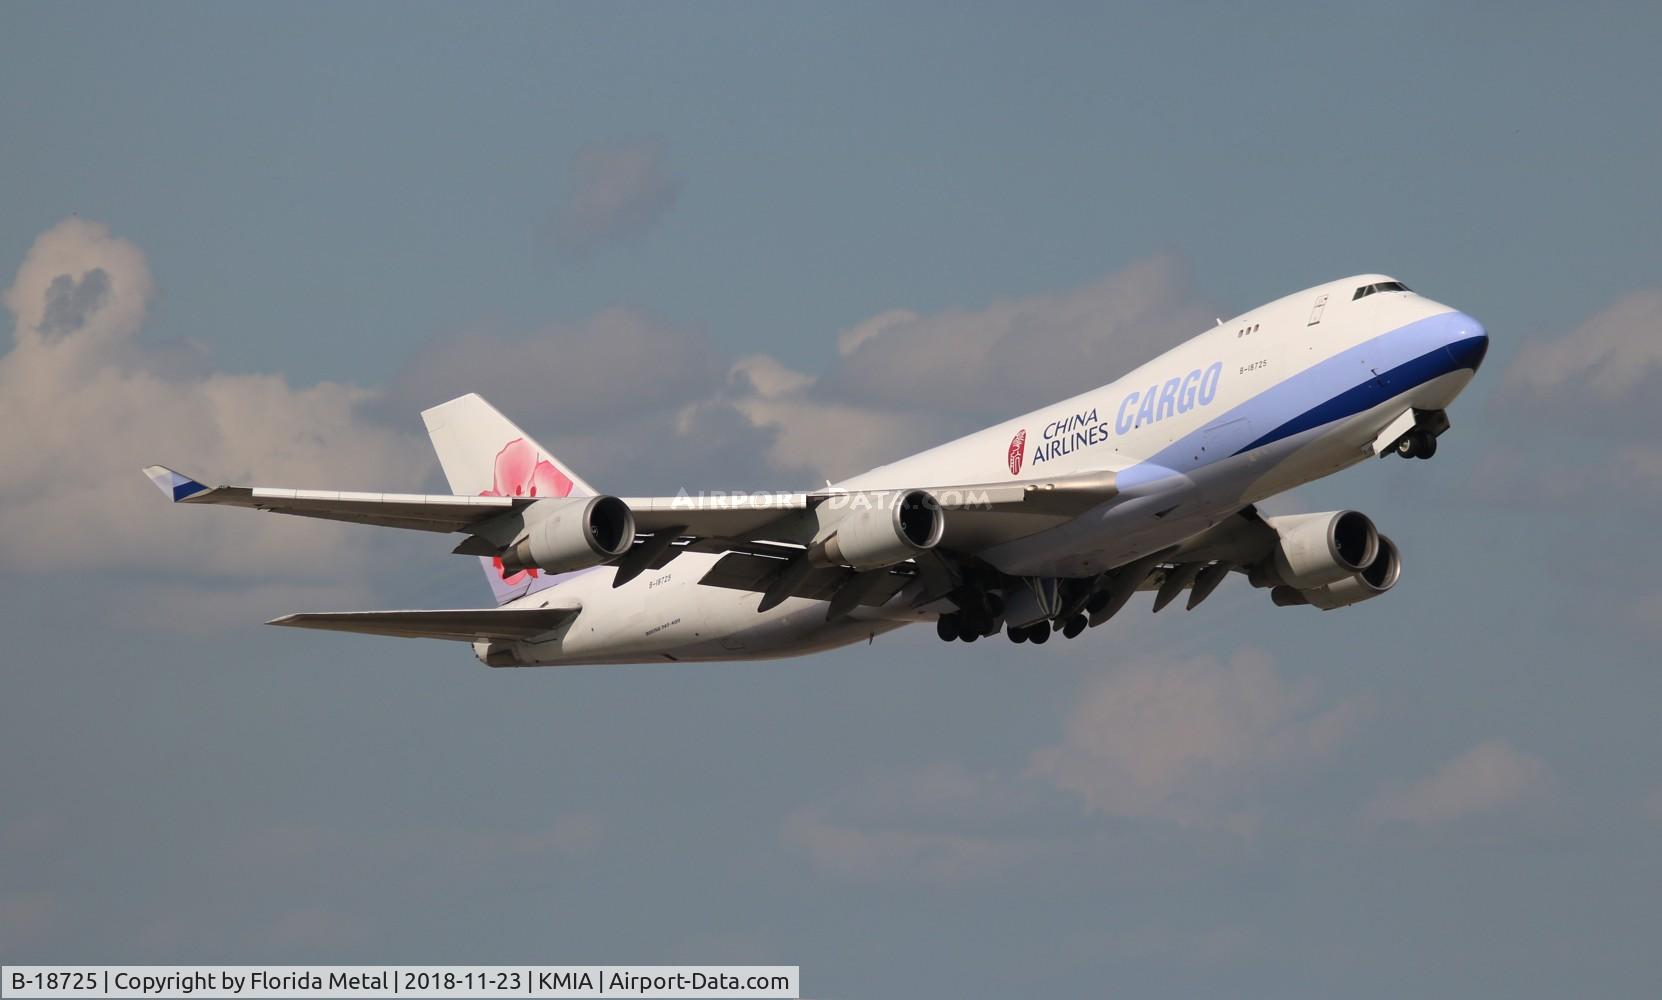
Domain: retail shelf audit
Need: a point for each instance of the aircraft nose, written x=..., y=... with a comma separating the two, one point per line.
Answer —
x=1468, y=342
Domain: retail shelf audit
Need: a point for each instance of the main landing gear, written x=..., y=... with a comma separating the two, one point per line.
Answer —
x=1038, y=633
x=962, y=626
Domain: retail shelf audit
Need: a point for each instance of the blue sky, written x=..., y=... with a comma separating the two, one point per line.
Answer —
x=737, y=245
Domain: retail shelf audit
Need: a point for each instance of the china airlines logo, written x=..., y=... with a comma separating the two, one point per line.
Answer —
x=521, y=472
x=1018, y=444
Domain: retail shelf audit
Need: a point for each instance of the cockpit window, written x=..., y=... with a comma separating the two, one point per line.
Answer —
x=1383, y=286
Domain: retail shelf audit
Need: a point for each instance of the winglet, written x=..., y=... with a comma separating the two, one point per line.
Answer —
x=175, y=485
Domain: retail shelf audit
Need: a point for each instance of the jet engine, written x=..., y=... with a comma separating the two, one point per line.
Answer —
x=571, y=533
x=1314, y=550
x=878, y=535
x=1372, y=580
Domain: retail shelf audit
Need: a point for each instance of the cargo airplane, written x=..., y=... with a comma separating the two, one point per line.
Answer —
x=1049, y=522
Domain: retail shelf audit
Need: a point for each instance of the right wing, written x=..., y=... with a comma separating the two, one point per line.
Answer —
x=465, y=624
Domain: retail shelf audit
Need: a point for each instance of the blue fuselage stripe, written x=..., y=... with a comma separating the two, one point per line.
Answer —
x=1432, y=364
x=1336, y=387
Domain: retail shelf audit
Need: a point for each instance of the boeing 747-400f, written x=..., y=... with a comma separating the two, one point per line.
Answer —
x=1048, y=522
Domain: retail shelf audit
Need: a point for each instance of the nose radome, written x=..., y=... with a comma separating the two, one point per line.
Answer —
x=1468, y=341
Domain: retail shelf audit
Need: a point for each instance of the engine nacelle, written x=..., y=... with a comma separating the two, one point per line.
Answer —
x=571, y=533
x=1314, y=550
x=1372, y=580
x=881, y=535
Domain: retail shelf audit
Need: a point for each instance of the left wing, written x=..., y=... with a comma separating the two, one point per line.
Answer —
x=716, y=517
x=393, y=510
x=762, y=530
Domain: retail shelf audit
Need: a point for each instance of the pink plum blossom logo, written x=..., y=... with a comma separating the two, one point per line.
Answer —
x=521, y=472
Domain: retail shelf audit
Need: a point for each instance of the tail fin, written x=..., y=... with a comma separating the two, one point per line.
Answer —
x=483, y=453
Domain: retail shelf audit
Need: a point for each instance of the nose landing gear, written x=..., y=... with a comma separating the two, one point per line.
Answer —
x=1421, y=440
x=1417, y=443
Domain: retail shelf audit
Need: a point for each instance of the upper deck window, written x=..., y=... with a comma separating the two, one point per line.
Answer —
x=1383, y=286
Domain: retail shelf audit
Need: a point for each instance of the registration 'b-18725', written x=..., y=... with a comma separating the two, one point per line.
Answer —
x=1049, y=522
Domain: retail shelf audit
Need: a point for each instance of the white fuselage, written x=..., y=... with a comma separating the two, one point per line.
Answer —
x=1281, y=395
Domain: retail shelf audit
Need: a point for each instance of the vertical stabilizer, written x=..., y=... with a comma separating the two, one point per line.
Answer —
x=484, y=453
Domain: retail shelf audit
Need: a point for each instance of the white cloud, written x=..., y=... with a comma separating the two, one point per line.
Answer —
x=1589, y=398
x=871, y=853
x=635, y=402
x=892, y=319
x=87, y=405
x=940, y=824
x=835, y=440
x=1607, y=357
x=1490, y=776
x=1013, y=353
x=567, y=377
x=618, y=192
x=766, y=377
x=1191, y=748
x=663, y=392
x=1186, y=741
x=905, y=380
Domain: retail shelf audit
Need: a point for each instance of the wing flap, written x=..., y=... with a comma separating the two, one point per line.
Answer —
x=725, y=515
x=465, y=624
x=1063, y=496
x=743, y=571
x=738, y=515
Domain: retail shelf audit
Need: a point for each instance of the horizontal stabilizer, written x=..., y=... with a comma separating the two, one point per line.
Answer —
x=465, y=624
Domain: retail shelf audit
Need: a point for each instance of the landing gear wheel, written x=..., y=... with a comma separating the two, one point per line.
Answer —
x=946, y=626
x=1074, y=626
x=1017, y=634
x=1039, y=634
x=1417, y=443
x=969, y=629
